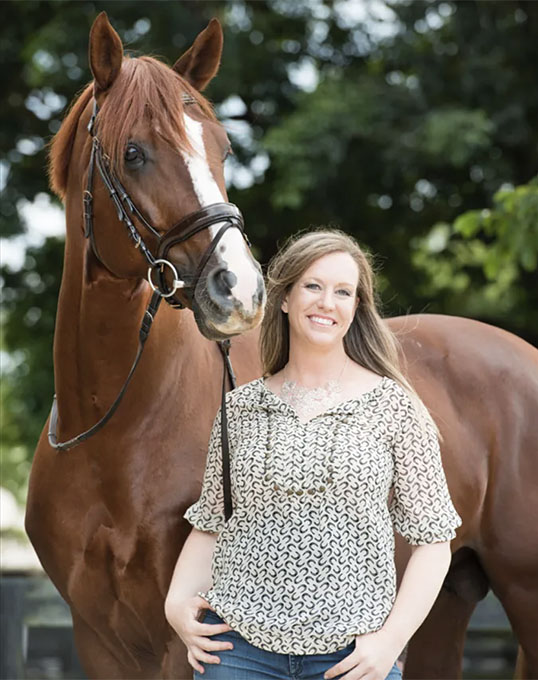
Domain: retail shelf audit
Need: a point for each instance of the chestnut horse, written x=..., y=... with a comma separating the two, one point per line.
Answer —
x=106, y=518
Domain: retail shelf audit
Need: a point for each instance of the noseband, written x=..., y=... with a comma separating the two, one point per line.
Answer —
x=226, y=214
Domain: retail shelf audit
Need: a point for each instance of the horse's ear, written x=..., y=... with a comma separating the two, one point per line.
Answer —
x=201, y=62
x=106, y=53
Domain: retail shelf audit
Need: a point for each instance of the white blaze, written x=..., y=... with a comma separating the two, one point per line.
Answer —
x=232, y=250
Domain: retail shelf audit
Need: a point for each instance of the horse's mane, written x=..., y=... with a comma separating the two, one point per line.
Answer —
x=62, y=144
x=146, y=90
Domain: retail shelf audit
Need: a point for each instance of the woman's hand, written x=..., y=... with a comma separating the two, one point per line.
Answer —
x=183, y=618
x=373, y=657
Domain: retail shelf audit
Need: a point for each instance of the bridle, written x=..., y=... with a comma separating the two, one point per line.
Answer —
x=191, y=224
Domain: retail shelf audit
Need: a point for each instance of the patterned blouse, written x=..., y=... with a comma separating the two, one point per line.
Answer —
x=306, y=561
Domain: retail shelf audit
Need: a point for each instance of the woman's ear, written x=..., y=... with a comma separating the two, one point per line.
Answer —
x=357, y=300
x=284, y=305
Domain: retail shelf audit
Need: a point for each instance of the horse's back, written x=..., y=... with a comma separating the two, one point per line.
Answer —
x=470, y=359
x=431, y=337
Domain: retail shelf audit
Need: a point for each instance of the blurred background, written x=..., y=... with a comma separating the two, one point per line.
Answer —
x=412, y=125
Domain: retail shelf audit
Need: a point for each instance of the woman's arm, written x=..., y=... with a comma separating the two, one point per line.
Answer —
x=421, y=583
x=374, y=653
x=193, y=570
x=183, y=605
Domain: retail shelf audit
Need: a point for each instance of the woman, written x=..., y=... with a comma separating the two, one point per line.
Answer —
x=303, y=579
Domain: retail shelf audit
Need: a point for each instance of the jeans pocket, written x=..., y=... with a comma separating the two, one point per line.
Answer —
x=212, y=618
x=346, y=650
x=209, y=616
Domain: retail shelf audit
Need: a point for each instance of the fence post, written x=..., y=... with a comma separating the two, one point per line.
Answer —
x=11, y=624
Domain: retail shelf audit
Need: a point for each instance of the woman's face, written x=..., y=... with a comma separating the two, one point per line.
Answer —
x=322, y=303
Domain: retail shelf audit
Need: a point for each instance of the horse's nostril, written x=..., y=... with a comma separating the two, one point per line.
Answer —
x=226, y=280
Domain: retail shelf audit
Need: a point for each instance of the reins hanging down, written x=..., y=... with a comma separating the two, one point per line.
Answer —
x=225, y=214
x=149, y=315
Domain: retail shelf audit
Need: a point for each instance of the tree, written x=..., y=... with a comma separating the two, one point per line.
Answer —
x=402, y=130
x=424, y=126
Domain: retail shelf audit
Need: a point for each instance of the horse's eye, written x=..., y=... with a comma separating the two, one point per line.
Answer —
x=134, y=156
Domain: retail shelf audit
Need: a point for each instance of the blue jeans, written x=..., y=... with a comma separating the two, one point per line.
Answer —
x=247, y=662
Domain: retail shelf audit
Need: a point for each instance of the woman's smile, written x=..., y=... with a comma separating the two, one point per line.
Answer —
x=321, y=320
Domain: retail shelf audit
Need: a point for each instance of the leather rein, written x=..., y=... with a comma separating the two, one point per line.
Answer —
x=226, y=213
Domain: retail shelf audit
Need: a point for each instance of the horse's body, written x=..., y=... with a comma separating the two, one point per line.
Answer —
x=481, y=385
x=106, y=518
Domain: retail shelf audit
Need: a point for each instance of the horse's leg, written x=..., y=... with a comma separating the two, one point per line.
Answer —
x=521, y=670
x=98, y=661
x=517, y=589
x=436, y=649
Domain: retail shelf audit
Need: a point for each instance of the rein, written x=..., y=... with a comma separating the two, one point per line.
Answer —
x=190, y=225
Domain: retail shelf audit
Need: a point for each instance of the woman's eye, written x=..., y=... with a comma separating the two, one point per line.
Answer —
x=312, y=286
x=344, y=292
x=134, y=156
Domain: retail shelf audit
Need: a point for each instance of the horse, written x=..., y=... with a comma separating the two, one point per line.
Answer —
x=106, y=518
x=480, y=383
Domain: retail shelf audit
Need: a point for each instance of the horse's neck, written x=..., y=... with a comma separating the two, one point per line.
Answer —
x=96, y=341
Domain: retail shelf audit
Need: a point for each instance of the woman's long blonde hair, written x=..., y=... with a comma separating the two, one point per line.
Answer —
x=369, y=341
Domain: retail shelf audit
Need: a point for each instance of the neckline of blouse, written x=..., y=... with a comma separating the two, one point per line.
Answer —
x=378, y=387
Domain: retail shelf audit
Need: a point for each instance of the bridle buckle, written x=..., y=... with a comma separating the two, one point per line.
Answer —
x=177, y=283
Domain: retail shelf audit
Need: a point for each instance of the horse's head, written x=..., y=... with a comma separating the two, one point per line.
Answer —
x=159, y=150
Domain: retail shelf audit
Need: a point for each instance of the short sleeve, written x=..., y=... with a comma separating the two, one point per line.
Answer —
x=421, y=508
x=207, y=514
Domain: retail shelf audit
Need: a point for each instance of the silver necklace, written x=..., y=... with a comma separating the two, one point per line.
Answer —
x=305, y=401
x=310, y=401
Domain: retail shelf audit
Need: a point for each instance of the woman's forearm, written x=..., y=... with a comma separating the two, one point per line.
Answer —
x=421, y=583
x=193, y=568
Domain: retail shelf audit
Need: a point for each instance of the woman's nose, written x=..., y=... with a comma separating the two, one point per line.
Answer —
x=326, y=300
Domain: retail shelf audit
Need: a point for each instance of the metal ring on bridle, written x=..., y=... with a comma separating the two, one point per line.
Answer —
x=178, y=283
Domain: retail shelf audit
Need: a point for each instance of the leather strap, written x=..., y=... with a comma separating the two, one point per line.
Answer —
x=225, y=449
x=228, y=373
x=191, y=224
x=197, y=221
x=145, y=328
x=122, y=200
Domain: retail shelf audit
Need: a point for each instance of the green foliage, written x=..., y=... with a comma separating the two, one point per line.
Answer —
x=497, y=247
x=29, y=311
x=313, y=141
x=455, y=135
x=15, y=458
x=513, y=224
x=428, y=125
x=405, y=142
